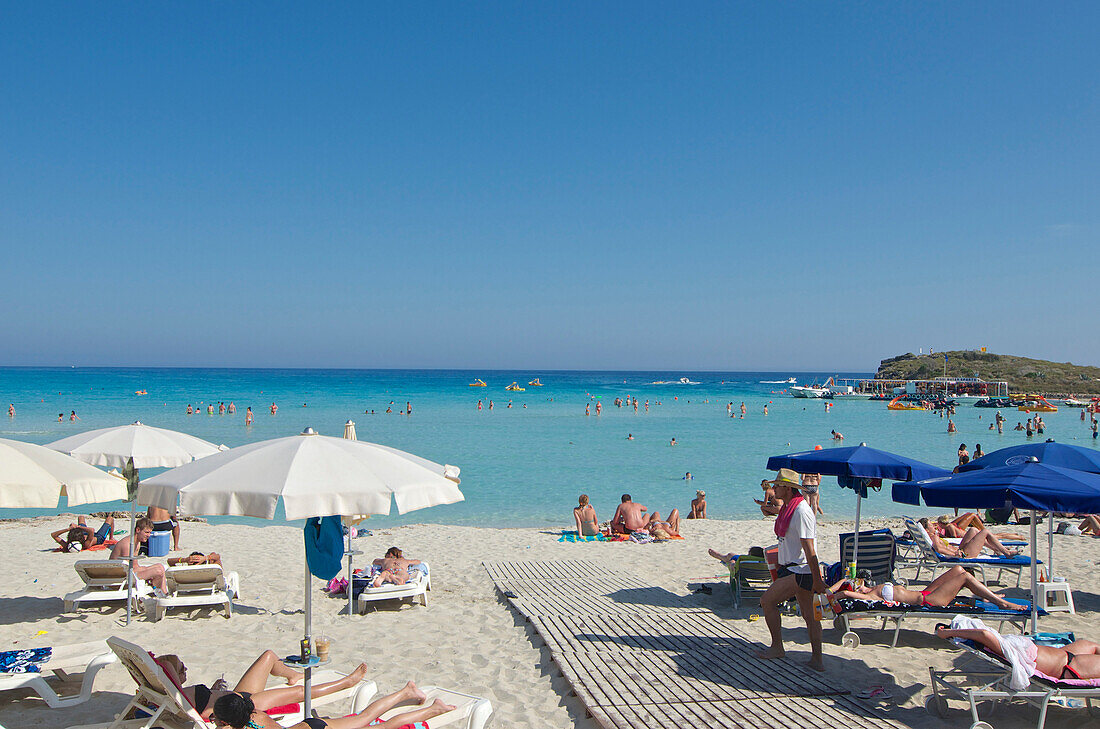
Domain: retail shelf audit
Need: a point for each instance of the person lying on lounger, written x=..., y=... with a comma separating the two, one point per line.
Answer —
x=956, y=528
x=392, y=568
x=939, y=593
x=196, y=558
x=973, y=540
x=254, y=684
x=1080, y=659
x=239, y=711
x=81, y=536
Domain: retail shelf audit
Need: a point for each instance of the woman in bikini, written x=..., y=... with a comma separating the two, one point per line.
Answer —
x=947, y=527
x=254, y=684
x=239, y=711
x=392, y=568
x=585, y=517
x=973, y=540
x=939, y=593
x=1080, y=659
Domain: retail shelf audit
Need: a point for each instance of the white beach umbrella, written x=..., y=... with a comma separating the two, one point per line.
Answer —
x=132, y=447
x=36, y=477
x=314, y=475
x=349, y=430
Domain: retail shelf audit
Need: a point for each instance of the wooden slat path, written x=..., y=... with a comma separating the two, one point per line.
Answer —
x=641, y=656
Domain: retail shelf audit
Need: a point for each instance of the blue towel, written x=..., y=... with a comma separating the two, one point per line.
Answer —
x=25, y=661
x=324, y=546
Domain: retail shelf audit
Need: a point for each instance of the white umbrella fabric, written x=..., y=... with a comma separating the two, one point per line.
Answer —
x=35, y=477
x=132, y=447
x=314, y=475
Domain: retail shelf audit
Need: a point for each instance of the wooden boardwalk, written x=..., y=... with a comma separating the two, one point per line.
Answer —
x=640, y=656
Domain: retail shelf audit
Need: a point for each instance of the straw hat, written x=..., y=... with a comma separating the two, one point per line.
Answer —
x=786, y=477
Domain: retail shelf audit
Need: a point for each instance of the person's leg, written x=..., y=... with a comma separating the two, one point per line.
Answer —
x=81, y=521
x=175, y=536
x=987, y=638
x=413, y=716
x=153, y=574
x=674, y=520
x=726, y=559
x=779, y=592
x=110, y=522
x=267, y=698
x=813, y=626
x=255, y=678
x=993, y=543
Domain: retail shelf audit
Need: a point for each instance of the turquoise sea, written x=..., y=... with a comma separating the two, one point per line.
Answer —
x=524, y=465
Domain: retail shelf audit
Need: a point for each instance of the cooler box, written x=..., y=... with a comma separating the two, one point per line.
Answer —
x=159, y=544
x=771, y=554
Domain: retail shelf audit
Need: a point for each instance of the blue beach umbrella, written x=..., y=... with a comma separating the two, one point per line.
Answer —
x=1048, y=453
x=855, y=467
x=1028, y=484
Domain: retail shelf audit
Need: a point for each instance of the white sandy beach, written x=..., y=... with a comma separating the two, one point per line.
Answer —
x=467, y=638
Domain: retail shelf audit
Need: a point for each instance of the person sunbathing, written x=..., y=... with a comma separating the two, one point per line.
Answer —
x=585, y=517
x=240, y=711
x=392, y=568
x=956, y=528
x=971, y=544
x=80, y=536
x=196, y=558
x=1091, y=525
x=254, y=683
x=941, y=592
x=664, y=529
x=771, y=505
x=1077, y=660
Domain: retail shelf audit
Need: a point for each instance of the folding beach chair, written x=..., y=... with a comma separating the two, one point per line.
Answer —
x=161, y=703
x=933, y=560
x=985, y=676
x=202, y=585
x=418, y=586
x=750, y=576
x=104, y=581
x=877, y=550
x=64, y=663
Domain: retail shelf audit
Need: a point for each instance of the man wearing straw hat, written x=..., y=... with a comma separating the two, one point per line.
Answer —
x=799, y=575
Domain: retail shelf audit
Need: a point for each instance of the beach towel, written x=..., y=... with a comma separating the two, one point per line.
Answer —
x=783, y=521
x=1018, y=650
x=324, y=546
x=567, y=536
x=25, y=661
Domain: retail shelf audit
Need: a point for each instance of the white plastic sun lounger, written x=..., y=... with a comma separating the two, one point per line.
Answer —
x=470, y=712
x=65, y=663
x=104, y=581
x=203, y=585
x=161, y=703
x=417, y=587
x=933, y=560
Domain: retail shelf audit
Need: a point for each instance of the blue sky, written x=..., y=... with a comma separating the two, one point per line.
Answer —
x=684, y=186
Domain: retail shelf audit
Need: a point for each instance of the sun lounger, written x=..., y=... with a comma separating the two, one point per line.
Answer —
x=848, y=610
x=64, y=663
x=161, y=703
x=470, y=712
x=420, y=582
x=202, y=585
x=933, y=560
x=104, y=581
x=993, y=685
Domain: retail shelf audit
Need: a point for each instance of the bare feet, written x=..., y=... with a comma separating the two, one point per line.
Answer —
x=358, y=674
x=816, y=664
x=771, y=654
x=414, y=692
x=440, y=707
x=725, y=559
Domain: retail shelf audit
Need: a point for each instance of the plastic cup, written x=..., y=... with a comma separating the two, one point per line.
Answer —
x=322, y=645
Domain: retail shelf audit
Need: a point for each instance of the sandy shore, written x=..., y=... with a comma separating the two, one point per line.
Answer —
x=467, y=638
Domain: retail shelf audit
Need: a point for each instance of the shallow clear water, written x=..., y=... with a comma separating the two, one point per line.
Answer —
x=520, y=466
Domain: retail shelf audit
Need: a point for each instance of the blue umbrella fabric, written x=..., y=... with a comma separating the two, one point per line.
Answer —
x=1027, y=485
x=1049, y=453
x=859, y=461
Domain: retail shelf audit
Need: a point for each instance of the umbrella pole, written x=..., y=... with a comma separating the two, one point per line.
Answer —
x=133, y=548
x=855, y=546
x=308, y=671
x=1050, y=548
x=1034, y=578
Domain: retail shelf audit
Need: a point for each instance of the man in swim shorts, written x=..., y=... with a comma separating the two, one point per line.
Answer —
x=163, y=521
x=82, y=536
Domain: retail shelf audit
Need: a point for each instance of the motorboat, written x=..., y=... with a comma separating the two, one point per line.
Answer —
x=1038, y=404
x=808, y=391
x=847, y=392
x=514, y=387
x=534, y=383
x=1072, y=402
x=478, y=383
x=899, y=403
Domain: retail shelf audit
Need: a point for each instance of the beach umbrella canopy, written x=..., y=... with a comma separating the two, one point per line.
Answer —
x=856, y=467
x=1048, y=453
x=144, y=445
x=36, y=477
x=133, y=447
x=859, y=461
x=314, y=475
x=1027, y=485
x=349, y=430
